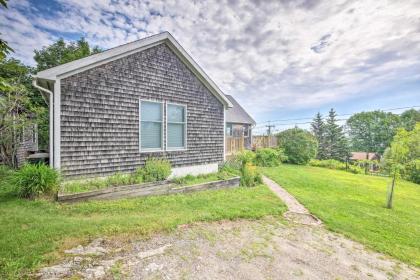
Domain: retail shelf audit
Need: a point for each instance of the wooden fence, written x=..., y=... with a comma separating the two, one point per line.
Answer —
x=234, y=145
x=264, y=141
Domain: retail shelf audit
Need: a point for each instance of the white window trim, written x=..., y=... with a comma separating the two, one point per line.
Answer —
x=185, y=129
x=151, y=150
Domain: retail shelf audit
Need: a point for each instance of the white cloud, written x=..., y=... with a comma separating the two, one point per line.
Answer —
x=269, y=54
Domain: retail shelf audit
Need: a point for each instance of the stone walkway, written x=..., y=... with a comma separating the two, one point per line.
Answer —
x=297, y=212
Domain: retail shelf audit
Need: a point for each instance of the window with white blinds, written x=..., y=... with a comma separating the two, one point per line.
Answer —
x=176, y=126
x=151, y=125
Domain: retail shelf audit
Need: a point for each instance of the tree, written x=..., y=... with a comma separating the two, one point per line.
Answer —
x=336, y=146
x=409, y=119
x=402, y=158
x=299, y=145
x=372, y=131
x=15, y=73
x=15, y=112
x=61, y=52
x=318, y=130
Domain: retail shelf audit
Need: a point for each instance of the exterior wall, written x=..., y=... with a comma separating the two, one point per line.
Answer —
x=100, y=114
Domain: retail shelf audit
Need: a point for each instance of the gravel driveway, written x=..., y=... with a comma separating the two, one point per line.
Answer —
x=271, y=248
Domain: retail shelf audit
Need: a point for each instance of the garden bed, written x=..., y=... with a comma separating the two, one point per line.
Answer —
x=147, y=189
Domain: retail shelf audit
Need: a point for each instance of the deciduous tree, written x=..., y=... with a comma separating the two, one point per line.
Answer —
x=372, y=131
x=299, y=145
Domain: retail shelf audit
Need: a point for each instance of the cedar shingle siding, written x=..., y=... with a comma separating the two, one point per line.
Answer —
x=100, y=114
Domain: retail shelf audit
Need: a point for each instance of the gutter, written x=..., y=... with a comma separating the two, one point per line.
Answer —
x=51, y=117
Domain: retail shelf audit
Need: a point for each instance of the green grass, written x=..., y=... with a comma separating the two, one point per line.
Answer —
x=190, y=180
x=31, y=231
x=355, y=206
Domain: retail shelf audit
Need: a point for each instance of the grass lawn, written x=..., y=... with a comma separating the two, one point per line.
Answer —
x=355, y=206
x=32, y=232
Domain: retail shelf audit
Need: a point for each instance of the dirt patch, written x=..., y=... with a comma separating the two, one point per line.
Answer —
x=264, y=249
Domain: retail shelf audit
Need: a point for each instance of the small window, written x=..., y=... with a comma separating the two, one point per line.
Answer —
x=246, y=131
x=151, y=125
x=176, y=126
x=229, y=129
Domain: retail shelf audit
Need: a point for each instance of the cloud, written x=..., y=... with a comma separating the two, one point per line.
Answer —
x=269, y=54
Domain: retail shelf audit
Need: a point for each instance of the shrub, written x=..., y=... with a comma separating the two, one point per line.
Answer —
x=33, y=180
x=355, y=169
x=412, y=171
x=4, y=171
x=299, y=145
x=245, y=157
x=156, y=170
x=250, y=176
x=268, y=157
x=337, y=165
x=328, y=163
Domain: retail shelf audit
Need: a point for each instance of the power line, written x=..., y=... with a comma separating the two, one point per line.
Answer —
x=341, y=115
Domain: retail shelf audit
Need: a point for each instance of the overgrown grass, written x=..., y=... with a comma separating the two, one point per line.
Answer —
x=354, y=205
x=30, y=231
x=190, y=180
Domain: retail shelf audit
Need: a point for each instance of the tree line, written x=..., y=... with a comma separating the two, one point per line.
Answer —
x=370, y=132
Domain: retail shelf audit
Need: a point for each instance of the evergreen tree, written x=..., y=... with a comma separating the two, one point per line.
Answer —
x=318, y=130
x=336, y=145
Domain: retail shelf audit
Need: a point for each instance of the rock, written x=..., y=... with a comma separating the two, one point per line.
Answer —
x=152, y=267
x=56, y=271
x=94, y=248
x=94, y=273
x=150, y=253
x=77, y=260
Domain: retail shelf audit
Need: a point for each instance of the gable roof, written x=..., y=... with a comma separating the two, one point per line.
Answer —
x=237, y=114
x=94, y=60
x=362, y=156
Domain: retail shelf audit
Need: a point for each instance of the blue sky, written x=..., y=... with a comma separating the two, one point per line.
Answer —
x=280, y=59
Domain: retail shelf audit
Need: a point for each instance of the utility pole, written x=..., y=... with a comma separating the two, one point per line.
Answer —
x=269, y=127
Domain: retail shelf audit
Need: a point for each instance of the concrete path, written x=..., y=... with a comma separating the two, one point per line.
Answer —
x=297, y=212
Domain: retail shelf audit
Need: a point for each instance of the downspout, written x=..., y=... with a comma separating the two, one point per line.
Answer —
x=51, y=118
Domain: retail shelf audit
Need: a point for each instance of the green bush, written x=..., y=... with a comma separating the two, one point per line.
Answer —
x=299, y=145
x=245, y=157
x=250, y=176
x=328, y=163
x=337, y=165
x=355, y=169
x=412, y=171
x=33, y=180
x=156, y=170
x=268, y=157
x=4, y=171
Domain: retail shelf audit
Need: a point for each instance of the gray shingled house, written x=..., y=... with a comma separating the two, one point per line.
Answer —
x=111, y=111
x=239, y=123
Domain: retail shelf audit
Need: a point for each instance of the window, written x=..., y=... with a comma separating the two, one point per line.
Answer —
x=151, y=125
x=229, y=131
x=176, y=126
x=246, y=131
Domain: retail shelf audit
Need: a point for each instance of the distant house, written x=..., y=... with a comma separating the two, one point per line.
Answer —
x=363, y=156
x=113, y=110
x=239, y=123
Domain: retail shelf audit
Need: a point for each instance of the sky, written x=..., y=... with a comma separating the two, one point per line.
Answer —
x=280, y=59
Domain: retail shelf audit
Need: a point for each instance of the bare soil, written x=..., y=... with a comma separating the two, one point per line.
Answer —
x=271, y=248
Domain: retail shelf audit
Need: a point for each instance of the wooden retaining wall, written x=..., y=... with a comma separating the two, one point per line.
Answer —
x=148, y=189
